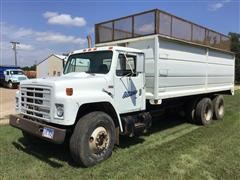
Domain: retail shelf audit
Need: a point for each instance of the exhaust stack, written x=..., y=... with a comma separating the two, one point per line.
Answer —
x=89, y=40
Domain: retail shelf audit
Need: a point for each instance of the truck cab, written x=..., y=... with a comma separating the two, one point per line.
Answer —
x=113, y=75
x=105, y=81
x=121, y=71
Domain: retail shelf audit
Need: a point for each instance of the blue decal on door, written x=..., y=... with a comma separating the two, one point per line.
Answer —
x=129, y=93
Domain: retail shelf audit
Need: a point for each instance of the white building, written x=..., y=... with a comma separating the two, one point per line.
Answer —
x=51, y=66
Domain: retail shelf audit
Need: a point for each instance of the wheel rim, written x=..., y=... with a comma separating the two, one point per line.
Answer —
x=208, y=113
x=10, y=85
x=221, y=109
x=99, y=140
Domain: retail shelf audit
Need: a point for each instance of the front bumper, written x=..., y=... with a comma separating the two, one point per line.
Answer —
x=35, y=128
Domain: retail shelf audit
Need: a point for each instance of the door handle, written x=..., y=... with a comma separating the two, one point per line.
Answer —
x=140, y=92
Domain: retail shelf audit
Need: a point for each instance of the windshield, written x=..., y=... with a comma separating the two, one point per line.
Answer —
x=90, y=62
x=16, y=72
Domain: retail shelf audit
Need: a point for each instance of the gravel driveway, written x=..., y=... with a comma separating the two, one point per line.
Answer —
x=7, y=103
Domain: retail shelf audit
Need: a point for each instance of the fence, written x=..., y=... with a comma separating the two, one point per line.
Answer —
x=159, y=22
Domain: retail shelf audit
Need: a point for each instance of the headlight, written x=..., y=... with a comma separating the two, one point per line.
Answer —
x=60, y=110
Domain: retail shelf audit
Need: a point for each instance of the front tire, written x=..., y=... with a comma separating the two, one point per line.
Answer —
x=10, y=84
x=93, y=139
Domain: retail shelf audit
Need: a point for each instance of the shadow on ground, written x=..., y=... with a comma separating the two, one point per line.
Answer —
x=54, y=155
x=51, y=154
x=160, y=123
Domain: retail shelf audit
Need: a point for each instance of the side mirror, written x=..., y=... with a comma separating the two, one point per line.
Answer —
x=4, y=72
x=140, y=64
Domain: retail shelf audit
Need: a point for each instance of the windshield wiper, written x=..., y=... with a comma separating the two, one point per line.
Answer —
x=88, y=72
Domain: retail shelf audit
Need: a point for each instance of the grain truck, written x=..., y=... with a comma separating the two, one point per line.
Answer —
x=151, y=60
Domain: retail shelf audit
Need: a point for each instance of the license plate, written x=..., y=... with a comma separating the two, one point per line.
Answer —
x=48, y=133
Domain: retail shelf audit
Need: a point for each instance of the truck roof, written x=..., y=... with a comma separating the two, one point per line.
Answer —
x=107, y=48
x=14, y=69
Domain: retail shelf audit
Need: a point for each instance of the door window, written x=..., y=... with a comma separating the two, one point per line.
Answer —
x=126, y=65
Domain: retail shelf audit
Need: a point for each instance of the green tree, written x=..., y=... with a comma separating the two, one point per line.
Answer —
x=235, y=47
x=27, y=68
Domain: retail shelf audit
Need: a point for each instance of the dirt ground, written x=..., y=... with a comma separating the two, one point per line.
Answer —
x=7, y=103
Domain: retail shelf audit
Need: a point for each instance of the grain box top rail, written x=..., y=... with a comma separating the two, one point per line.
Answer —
x=159, y=22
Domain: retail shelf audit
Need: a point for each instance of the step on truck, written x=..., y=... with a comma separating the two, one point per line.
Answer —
x=10, y=76
x=150, y=60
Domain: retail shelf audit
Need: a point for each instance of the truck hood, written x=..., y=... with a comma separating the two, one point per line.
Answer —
x=19, y=77
x=77, y=81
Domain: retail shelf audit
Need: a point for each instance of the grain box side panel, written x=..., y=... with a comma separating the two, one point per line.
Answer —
x=147, y=46
x=182, y=67
x=220, y=69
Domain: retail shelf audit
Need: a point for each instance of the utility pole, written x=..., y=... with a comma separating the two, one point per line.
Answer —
x=14, y=47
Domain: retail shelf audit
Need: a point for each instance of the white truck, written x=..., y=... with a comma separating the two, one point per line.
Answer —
x=10, y=76
x=110, y=89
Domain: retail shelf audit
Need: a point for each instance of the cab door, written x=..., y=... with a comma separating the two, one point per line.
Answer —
x=129, y=87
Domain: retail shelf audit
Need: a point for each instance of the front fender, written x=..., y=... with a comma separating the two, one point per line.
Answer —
x=74, y=102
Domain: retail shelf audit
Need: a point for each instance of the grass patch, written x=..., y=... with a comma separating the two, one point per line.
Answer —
x=174, y=149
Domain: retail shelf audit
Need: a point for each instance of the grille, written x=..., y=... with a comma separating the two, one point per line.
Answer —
x=21, y=78
x=35, y=102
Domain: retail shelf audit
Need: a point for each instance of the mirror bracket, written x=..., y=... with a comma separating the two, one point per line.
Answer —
x=140, y=66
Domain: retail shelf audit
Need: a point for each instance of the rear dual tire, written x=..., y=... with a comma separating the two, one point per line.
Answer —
x=203, y=111
x=190, y=110
x=218, y=107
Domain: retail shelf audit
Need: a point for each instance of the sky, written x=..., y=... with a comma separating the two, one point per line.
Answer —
x=55, y=27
